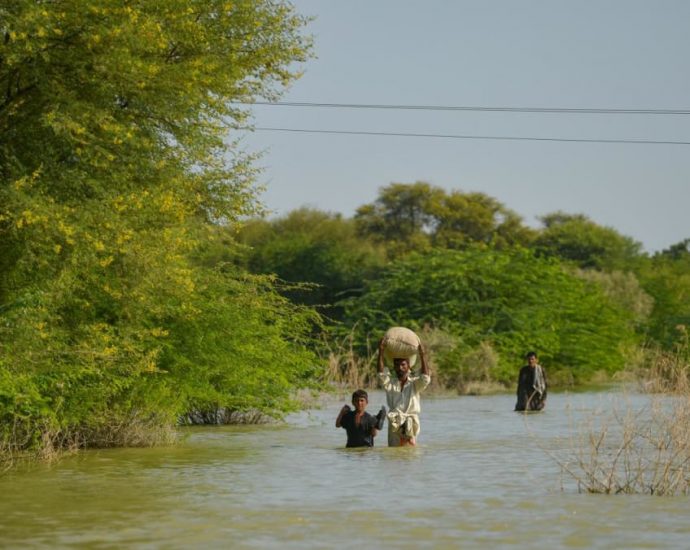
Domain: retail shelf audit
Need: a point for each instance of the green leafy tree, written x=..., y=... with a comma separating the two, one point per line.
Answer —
x=310, y=246
x=678, y=251
x=466, y=218
x=576, y=238
x=419, y=216
x=114, y=174
x=666, y=277
x=624, y=289
x=401, y=216
x=511, y=300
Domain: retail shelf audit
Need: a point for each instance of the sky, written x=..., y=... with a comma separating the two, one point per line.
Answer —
x=584, y=54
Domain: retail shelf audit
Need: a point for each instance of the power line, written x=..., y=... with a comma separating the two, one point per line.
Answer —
x=477, y=137
x=475, y=108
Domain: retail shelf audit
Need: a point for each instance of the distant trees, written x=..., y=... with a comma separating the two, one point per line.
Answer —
x=597, y=294
x=419, y=216
x=510, y=299
x=314, y=247
x=666, y=277
x=624, y=289
x=678, y=251
x=660, y=302
x=582, y=293
x=402, y=216
x=576, y=238
x=467, y=218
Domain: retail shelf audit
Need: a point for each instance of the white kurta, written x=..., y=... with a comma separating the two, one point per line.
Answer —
x=404, y=405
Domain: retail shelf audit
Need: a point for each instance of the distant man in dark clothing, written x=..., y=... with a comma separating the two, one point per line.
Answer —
x=361, y=427
x=531, y=390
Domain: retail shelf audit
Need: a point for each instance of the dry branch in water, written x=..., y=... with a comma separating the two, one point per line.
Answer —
x=639, y=449
x=633, y=450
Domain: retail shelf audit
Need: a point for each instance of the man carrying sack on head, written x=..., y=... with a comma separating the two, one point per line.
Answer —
x=402, y=346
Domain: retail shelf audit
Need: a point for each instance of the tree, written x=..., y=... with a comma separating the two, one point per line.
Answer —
x=623, y=289
x=114, y=174
x=310, y=246
x=576, y=238
x=417, y=217
x=666, y=277
x=678, y=251
x=466, y=218
x=401, y=216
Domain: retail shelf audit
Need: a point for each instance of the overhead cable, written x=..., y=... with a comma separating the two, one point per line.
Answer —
x=476, y=137
x=475, y=108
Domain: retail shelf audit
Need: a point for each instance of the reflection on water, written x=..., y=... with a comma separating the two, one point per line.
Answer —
x=480, y=478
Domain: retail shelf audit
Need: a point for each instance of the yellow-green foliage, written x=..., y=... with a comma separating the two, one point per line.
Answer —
x=113, y=174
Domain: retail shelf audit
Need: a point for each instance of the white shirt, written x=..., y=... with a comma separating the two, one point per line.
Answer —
x=406, y=401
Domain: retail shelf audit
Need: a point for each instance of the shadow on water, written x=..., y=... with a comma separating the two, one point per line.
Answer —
x=480, y=478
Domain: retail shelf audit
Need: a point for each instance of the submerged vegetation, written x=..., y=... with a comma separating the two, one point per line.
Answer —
x=635, y=451
x=639, y=449
x=140, y=285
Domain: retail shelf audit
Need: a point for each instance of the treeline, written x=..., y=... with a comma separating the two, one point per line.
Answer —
x=481, y=286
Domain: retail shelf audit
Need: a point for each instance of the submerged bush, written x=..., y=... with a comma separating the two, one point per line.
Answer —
x=633, y=450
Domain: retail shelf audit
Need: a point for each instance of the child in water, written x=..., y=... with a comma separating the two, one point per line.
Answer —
x=361, y=427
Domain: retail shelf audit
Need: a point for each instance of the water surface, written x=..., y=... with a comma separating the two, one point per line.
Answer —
x=481, y=477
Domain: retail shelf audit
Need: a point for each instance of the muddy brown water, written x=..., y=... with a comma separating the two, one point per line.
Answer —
x=481, y=477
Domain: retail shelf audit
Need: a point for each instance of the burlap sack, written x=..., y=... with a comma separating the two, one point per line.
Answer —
x=400, y=343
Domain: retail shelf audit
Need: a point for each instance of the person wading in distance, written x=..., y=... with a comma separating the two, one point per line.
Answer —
x=532, y=386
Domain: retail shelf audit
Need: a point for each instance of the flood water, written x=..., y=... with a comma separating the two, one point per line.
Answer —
x=481, y=477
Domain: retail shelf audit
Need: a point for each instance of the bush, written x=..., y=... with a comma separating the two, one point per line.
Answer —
x=511, y=301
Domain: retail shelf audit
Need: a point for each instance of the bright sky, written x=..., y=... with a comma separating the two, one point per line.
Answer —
x=585, y=54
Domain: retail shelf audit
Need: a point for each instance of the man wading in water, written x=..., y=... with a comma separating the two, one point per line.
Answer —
x=403, y=397
x=531, y=390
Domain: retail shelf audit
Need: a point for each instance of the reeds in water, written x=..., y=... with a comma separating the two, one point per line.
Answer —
x=345, y=368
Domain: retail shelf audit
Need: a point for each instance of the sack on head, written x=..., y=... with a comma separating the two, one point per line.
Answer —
x=401, y=343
